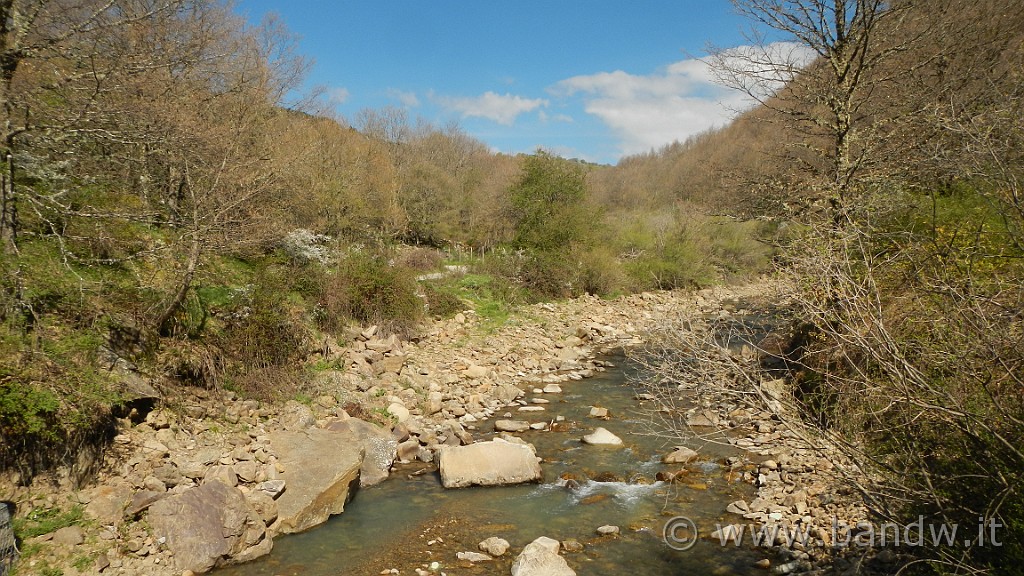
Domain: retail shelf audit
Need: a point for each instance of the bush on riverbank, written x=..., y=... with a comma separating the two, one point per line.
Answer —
x=916, y=359
x=368, y=289
x=684, y=249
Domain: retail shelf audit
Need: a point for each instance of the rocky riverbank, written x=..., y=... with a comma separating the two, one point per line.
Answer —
x=208, y=478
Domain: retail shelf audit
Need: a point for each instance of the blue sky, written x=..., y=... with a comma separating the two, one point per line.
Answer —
x=591, y=79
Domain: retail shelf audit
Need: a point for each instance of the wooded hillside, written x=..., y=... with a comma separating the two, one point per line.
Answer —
x=169, y=217
x=898, y=154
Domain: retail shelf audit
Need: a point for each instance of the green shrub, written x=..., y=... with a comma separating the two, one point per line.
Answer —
x=419, y=259
x=53, y=396
x=442, y=299
x=681, y=262
x=599, y=272
x=271, y=334
x=26, y=409
x=258, y=343
x=547, y=275
x=369, y=290
x=491, y=296
x=549, y=205
x=494, y=296
x=737, y=248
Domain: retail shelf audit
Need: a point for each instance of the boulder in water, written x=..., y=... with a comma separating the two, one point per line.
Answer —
x=493, y=463
x=681, y=455
x=602, y=437
x=540, y=558
x=494, y=546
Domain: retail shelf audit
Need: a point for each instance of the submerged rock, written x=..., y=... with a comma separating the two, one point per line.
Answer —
x=681, y=455
x=572, y=545
x=491, y=463
x=511, y=426
x=606, y=476
x=473, y=557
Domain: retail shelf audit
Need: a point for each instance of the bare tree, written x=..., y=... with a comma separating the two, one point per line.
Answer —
x=911, y=299
x=820, y=75
x=218, y=156
x=159, y=113
x=50, y=46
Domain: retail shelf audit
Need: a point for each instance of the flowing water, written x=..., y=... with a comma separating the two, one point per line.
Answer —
x=411, y=521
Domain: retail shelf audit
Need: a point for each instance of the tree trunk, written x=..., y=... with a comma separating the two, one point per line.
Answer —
x=195, y=251
x=8, y=210
x=194, y=254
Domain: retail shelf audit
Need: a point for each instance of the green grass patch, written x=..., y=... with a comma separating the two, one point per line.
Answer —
x=84, y=562
x=27, y=410
x=493, y=297
x=45, y=520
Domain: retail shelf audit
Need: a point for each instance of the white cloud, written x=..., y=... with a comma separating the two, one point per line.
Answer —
x=567, y=152
x=763, y=70
x=503, y=109
x=337, y=95
x=545, y=117
x=649, y=111
x=407, y=99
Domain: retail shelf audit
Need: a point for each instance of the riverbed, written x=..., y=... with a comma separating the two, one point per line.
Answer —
x=410, y=521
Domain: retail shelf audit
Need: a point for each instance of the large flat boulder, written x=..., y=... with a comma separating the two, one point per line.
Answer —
x=378, y=444
x=209, y=526
x=321, y=473
x=491, y=463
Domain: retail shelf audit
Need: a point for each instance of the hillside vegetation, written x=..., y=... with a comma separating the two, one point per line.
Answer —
x=898, y=155
x=169, y=218
x=170, y=221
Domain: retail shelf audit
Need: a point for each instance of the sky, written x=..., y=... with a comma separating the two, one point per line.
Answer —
x=589, y=79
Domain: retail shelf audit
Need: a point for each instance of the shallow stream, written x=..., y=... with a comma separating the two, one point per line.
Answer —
x=411, y=521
